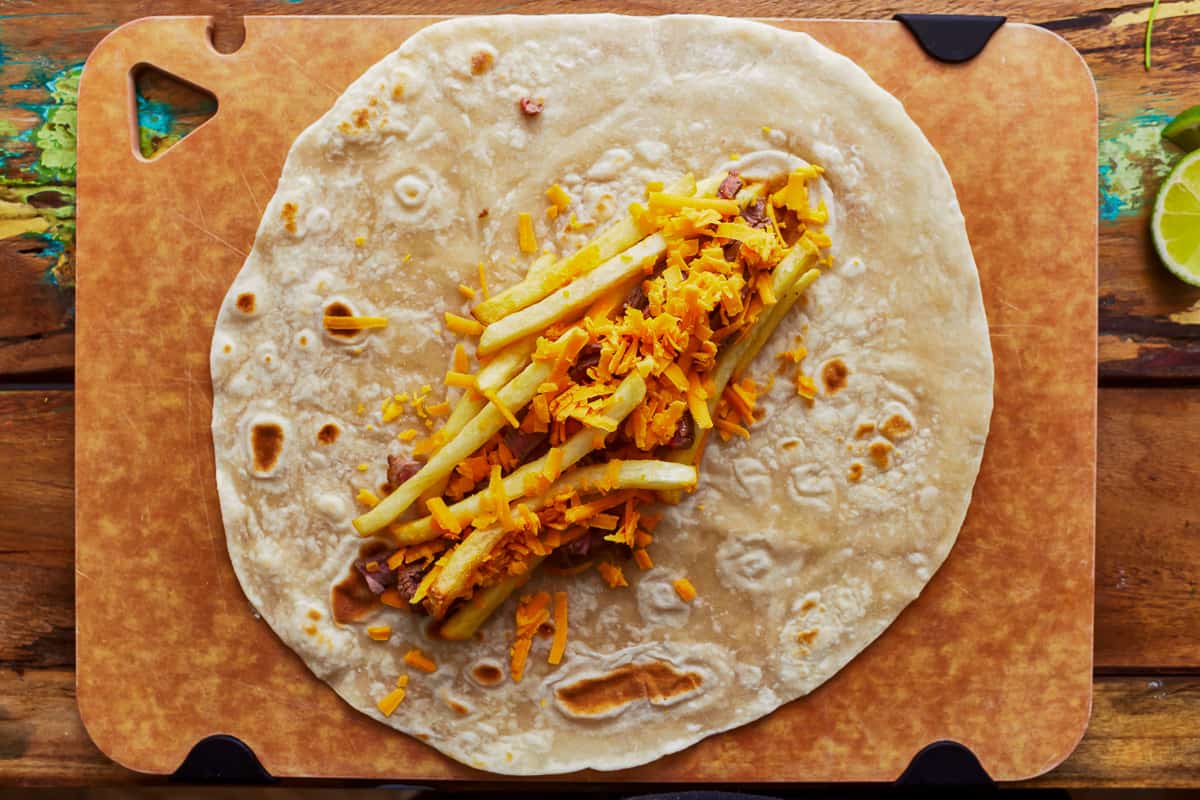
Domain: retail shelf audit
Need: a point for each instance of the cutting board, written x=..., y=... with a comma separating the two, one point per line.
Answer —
x=995, y=654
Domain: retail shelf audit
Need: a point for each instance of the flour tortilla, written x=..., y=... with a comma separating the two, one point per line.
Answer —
x=797, y=567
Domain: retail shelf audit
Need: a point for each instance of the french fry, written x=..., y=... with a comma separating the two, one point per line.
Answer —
x=763, y=332
x=622, y=402
x=573, y=297
x=457, y=569
x=462, y=624
x=733, y=361
x=541, y=265
x=544, y=280
x=514, y=396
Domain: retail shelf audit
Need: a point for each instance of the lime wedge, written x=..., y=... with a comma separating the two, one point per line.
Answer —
x=1175, y=225
x=1184, y=130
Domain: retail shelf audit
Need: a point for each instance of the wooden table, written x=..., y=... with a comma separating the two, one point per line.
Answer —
x=1145, y=727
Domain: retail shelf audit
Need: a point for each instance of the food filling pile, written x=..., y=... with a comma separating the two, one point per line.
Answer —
x=602, y=376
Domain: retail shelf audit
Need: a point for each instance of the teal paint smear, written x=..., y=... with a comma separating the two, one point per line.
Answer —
x=155, y=115
x=1132, y=163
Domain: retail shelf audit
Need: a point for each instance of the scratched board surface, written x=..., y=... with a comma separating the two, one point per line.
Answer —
x=1149, y=322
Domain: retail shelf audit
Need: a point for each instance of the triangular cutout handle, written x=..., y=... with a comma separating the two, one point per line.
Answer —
x=167, y=109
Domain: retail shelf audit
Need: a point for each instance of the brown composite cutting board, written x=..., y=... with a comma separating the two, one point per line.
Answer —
x=995, y=654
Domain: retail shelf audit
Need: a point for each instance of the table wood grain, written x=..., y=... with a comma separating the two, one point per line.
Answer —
x=1145, y=727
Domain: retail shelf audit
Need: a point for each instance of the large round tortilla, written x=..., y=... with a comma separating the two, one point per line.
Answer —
x=797, y=566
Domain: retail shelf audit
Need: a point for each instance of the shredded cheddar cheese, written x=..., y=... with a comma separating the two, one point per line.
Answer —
x=530, y=615
x=685, y=590
x=418, y=660
x=483, y=284
x=612, y=574
x=462, y=362
x=336, y=323
x=367, y=498
x=390, y=702
x=559, y=645
x=466, y=291
x=442, y=516
x=525, y=236
x=559, y=200
x=462, y=325
x=380, y=633
x=643, y=559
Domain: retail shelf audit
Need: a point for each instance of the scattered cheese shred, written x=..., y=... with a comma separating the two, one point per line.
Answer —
x=442, y=517
x=559, y=200
x=685, y=590
x=531, y=613
x=494, y=399
x=643, y=559
x=392, y=597
x=462, y=325
x=559, y=645
x=466, y=291
x=388, y=703
x=553, y=467
x=380, y=633
x=418, y=660
x=483, y=284
x=367, y=498
x=438, y=409
x=460, y=380
x=407, y=435
x=525, y=237
x=612, y=574
x=335, y=323
x=462, y=362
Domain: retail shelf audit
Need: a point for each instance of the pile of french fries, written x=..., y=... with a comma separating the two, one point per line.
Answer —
x=542, y=314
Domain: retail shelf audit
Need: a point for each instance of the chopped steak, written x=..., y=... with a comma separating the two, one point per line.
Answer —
x=730, y=186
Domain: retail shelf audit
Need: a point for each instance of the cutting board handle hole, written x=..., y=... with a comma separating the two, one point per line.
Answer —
x=167, y=109
x=226, y=33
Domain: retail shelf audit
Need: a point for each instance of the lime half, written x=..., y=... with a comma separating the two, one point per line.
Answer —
x=1176, y=221
x=1184, y=130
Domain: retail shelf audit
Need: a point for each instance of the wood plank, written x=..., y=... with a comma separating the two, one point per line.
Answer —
x=37, y=589
x=1148, y=529
x=1149, y=321
x=1144, y=732
x=42, y=739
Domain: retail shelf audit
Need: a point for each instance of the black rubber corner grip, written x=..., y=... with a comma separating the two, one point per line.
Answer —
x=221, y=759
x=945, y=763
x=952, y=38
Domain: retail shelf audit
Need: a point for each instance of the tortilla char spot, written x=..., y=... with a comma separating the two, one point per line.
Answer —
x=351, y=599
x=313, y=614
x=458, y=707
x=834, y=374
x=246, y=302
x=340, y=309
x=864, y=430
x=481, y=62
x=228, y=348
x=360, y=117
x=895, y=427
x=488, y=674
x=655, y=682
x=328, y=433
x=808, y=604
x=266, y=440
x=855, y=473
x=288, y=215
x=545, y=630
x=878, y=450
x=311, y=630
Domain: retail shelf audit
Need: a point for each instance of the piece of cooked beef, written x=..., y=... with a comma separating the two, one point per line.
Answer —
x=685, y=432
x=588, y=357
x=409, y=577
x=521, y=444
x=730, y=186
x=400, y=469
x=381, y=578
x=756, y=214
